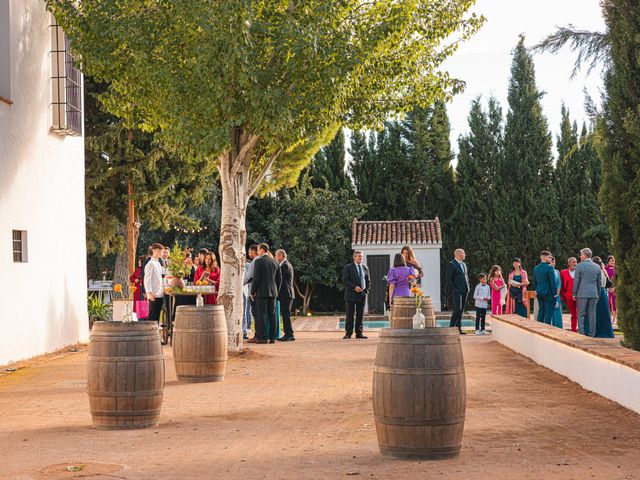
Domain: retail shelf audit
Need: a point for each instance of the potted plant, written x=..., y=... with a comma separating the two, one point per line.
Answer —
x=177, y=268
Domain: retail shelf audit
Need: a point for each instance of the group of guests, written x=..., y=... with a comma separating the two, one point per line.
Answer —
x=492, y=289
x=268, y=284
x=154, y=267
x=356, y=281
x=586, y=288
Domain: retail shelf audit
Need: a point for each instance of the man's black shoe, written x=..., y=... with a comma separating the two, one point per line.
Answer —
x=271, y=340
x=462, y=333
x=245, y=337
x=346, y=337
x=361, y=336
x=286, y=338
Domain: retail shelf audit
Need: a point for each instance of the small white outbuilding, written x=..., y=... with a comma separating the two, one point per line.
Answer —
x=380, y=241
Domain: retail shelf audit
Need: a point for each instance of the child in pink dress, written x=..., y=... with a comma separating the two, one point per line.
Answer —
x=498, y=289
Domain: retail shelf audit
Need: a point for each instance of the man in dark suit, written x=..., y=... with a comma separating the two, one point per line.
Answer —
x=457, y=280
x=546, y=288
x=264, y=289
x=286, y=295
x=355, y=278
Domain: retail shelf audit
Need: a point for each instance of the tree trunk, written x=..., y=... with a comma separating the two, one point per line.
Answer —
x=239, y=183
x=121, y=272
x=121, y=269
x=308, y=291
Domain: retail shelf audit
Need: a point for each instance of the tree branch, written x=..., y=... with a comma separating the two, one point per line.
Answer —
x=244, y=151
x=256, y=183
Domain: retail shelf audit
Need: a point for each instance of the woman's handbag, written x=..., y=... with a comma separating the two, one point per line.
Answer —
x=142, y=309
x=609, y=284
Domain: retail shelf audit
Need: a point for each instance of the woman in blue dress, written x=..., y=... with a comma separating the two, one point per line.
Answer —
x=557, y=313
x=603, y=314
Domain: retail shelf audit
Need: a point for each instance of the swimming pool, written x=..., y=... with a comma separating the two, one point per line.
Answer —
x=466, y=323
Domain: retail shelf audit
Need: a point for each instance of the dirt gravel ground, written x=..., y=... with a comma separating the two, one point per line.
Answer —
x=302, y=410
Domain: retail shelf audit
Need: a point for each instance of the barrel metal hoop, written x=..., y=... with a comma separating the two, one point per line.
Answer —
x=142, y=393
x=141, y=413
x=418, y=371
x=414, y=422
x=125, y=359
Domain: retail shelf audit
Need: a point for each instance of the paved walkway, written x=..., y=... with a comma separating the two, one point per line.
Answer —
x=302, y=410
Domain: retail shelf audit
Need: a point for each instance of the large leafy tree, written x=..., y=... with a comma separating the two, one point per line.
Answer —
x=123, y=164
x=527, y=196
x=256, y=88
x=314, y=226
x=619, y=148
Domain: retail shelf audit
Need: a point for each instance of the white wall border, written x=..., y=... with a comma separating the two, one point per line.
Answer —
x=610, y=379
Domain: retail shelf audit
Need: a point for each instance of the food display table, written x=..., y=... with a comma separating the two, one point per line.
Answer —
x=172, y=300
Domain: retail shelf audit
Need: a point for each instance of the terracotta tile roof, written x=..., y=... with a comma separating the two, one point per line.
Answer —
x=401, y=232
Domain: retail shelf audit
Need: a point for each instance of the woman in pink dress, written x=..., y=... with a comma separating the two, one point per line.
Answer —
x=498, y=289
x=611, y=271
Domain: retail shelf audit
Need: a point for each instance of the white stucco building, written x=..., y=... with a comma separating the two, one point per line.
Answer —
x=42, y=208
x=380, y=241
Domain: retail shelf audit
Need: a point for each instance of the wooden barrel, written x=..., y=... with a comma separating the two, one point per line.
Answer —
x=419, y=393
x=404, y=308
x=125, y=378
x=200, y=343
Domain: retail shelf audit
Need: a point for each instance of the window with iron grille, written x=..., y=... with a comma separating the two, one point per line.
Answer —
x=20, y=246
x=66, y=85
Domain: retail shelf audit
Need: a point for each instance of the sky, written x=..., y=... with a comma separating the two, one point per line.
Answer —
x=484, y=61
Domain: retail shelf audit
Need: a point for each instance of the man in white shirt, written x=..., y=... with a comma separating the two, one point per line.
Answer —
x=153, y=283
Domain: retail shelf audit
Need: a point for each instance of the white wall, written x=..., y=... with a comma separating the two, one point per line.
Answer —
x=42, y=302
x=429, y=258
x=610, y=379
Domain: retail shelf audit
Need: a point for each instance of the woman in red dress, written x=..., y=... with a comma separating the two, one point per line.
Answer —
x=209, y=272
x=136, y=280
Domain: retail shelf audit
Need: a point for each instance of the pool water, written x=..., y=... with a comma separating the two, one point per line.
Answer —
x=385, y=323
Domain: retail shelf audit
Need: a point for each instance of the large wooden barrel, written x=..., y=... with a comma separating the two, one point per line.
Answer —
x=125, y=378
x=419, y=393
x=404, y=308
x=200, y=343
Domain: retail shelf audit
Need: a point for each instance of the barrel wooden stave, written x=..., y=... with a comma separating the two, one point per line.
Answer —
x=419, y=393
x=200, y=349
x=404, y=308
x=125, y=375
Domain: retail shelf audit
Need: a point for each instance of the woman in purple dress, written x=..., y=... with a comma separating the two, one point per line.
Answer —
x=610, y=268
x=398, y=278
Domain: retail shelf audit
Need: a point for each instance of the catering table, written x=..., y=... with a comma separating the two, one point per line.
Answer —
x=172, y=301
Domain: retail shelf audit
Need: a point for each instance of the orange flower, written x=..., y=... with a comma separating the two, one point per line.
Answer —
x=168, y=290
x=132, y=288
x=117, y=288
x=411, y=277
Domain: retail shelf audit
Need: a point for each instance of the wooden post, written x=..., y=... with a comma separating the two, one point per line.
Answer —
x=131, y=251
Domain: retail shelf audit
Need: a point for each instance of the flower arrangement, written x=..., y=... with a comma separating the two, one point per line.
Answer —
x=177, y=268
x=117, y=288
x=416, y=291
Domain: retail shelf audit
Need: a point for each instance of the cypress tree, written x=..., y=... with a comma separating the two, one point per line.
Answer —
x=528, y=200
x=427, y=133
x=570, y=186
x=476, y=209
x=619, y=148
x=578, y=183
x=328, y=166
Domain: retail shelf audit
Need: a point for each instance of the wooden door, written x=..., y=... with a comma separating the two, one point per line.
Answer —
x=378, y=268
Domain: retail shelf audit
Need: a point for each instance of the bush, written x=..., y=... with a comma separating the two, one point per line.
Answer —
x=97, y=310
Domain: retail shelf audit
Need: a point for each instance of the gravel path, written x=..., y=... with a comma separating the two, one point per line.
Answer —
x=302, y=410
